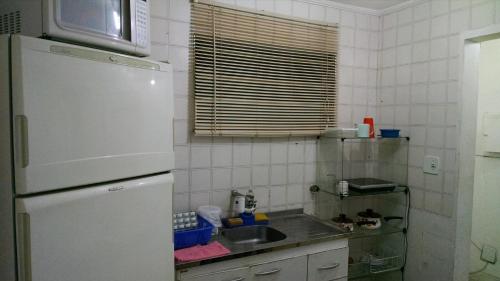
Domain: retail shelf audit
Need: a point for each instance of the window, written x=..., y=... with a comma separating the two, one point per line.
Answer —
x=261, y=75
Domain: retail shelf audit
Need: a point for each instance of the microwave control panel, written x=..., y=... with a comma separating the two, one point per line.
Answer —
x=141, y=22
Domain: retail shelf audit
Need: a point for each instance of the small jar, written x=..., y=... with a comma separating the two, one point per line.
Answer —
x=343, y=188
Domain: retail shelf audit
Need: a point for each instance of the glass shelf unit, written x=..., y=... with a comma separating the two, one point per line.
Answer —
x=373, y=258
x=342, y=158
x=358, y=271
x=385, y=229
x=375, y=138
x=348, y=158
x=353, y=193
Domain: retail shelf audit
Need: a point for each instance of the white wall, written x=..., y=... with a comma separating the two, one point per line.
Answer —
x=418, y=91
x=414, y=86
x=279, y=170
x=487, y=176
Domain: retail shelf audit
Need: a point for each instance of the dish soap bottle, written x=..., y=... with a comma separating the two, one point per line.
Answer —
x=248, y=216
x=250, y=202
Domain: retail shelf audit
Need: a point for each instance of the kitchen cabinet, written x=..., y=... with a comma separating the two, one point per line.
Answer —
x=328, y=265
x=293, y=269
x=238, y=274
x=322, y=261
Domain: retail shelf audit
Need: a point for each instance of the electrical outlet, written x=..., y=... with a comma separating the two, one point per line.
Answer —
x=489, y=254
x=431, y=165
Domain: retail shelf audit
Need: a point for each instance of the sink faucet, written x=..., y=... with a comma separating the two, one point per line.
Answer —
x=237, y=203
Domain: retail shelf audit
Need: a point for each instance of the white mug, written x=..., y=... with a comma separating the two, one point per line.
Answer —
x=363, y=130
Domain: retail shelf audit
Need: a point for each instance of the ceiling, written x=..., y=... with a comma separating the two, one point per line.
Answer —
x=372, y=4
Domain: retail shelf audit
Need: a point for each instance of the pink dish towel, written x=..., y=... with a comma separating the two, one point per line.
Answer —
x=196, y=253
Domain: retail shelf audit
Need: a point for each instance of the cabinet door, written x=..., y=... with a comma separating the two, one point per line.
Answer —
x=329, y=265
x=294, y=269
x=239, y=274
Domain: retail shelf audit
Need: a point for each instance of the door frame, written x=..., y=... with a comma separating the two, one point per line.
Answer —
x=466, y=127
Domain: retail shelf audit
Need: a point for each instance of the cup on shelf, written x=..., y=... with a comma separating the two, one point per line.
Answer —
x=363, y=130
x=343, y=188
x=371, y=123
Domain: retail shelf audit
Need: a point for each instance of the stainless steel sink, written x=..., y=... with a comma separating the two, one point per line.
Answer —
x=256, y=234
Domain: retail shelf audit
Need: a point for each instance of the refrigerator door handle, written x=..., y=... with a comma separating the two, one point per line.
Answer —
x=23, y=144
x=24, y=246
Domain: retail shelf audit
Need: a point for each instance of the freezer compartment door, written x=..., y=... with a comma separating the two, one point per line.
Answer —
x=84, y=116
x=114, y=232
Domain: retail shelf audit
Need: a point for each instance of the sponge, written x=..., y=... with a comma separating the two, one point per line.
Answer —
x=261, y=217
x=232, y=222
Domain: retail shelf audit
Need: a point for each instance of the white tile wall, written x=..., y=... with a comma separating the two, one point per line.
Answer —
x=280, y=170
x=405, y=74
x=434, y=53
x=483, y=14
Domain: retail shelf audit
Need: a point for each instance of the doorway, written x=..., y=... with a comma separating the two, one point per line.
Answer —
x=479, y=163
x=485, y=231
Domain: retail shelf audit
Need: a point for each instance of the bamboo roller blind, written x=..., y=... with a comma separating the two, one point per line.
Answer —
x=261, y=75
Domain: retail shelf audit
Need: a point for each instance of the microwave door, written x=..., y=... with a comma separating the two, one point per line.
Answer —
x=110, y=18
x=126, y=28
x=118, y=19
x=82, y=15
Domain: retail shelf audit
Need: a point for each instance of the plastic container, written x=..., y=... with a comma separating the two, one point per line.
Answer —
x=369, y=120
x=342, y=132
x=363, y=130
x=389, y=133
x=190, y=237
x=211, y=214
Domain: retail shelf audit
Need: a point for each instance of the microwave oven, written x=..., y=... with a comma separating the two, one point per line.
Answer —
x=121, y=25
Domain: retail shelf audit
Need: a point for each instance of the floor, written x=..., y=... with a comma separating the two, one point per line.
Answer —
x=483, y=277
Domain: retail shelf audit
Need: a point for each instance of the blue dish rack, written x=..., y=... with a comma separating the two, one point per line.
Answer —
x=190, y=237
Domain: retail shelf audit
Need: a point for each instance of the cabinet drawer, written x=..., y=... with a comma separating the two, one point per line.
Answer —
x=293, y=269
x=239, y=274
x=329, y=265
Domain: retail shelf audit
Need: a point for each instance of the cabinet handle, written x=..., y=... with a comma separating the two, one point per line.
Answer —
x=272, y=271
x=238, y=279
x=326, y=267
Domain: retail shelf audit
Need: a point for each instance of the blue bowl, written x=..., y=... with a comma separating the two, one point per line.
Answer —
x=389, y=133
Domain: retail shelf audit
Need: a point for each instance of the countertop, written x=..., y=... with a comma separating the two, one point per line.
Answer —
x=300, y=229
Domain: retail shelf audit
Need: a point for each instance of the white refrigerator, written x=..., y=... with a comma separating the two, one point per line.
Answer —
x=86, y=159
